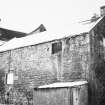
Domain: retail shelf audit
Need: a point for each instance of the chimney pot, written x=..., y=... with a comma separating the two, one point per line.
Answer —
x=102, y=11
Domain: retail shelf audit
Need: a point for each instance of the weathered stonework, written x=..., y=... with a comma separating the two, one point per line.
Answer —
x=97, y=65
x=76, y=58
x=36, y=65
x=81, y=57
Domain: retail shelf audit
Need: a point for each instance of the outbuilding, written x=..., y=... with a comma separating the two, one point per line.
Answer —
x=61, y=93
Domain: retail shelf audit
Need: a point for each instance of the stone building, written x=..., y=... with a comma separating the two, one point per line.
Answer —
x=35, y=62
x=46, y=58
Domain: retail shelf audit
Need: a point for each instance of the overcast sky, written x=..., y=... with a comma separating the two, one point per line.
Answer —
x=26, y=15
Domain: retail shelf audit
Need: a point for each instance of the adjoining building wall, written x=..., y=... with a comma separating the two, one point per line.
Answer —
x=97, y=65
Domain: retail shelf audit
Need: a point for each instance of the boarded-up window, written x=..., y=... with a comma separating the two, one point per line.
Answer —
x=56, y=47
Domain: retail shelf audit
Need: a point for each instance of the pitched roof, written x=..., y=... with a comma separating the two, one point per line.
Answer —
x=41, y=28
x=7, y=34
x=46, y=36
x=29, y=40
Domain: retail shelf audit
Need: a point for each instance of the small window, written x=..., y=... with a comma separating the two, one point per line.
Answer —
x=56, y=47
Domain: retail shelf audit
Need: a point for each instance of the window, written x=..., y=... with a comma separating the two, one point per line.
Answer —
x=56, y=47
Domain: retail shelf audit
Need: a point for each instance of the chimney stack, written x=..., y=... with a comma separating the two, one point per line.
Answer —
x=102, y=11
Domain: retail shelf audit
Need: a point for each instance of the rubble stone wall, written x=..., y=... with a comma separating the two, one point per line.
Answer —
x=36, y=65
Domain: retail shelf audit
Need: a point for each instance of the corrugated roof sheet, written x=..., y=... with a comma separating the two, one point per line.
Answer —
x=64, y=84
x=46, y=36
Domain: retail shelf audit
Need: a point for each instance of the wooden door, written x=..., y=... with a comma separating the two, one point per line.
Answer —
x=75, y=96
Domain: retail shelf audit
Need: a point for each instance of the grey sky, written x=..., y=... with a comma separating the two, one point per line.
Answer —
x=26, y=15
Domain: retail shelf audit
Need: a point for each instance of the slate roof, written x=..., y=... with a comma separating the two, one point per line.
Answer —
x=7, y=34
x=37, y=38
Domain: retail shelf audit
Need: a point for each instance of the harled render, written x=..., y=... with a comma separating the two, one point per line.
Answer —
x=45, y=58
